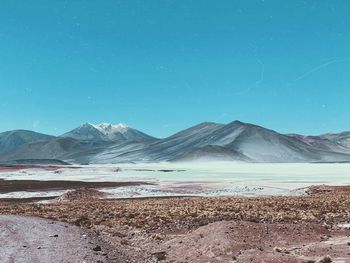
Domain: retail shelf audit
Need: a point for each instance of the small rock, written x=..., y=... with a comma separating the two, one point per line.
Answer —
x=281, y=250
x=157, y=237
x=325, y=259
x=36, y=206
x=277, y=249
x=159, y=255
x=124, y=242
x=53, y=235
x=97, y=248
x=39, y=247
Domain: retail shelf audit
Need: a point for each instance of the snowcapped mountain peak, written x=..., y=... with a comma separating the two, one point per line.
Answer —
x=104, y=125
x=107, y=132
x=107, y=127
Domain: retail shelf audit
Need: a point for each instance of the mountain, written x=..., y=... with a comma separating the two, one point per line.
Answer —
x=264, y=145
x=62, y=148
x=82, y=144
x=235, y=141
x=107, y=132
x=164, y=149
x=12, y=139
x=212, y=153
x=330, y=142
x=339, y=138
x=208, y=141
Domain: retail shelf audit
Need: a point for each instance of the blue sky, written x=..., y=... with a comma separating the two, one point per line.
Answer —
x=161, y=66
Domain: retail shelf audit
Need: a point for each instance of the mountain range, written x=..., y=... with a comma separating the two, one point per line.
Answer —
x=235, y=141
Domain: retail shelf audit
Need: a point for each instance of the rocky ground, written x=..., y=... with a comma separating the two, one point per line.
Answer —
x=31, y=239
x=229, y=229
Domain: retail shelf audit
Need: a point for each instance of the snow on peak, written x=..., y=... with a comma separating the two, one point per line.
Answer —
x=106, y=132
x=110, y=128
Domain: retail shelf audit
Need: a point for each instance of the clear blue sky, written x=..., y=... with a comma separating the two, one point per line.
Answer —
x=161, y=66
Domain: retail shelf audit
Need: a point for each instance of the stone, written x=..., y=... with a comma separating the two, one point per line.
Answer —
x=159, y=256
x=97, y=248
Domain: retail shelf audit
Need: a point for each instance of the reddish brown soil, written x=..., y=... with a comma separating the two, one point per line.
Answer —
x=26, y=167
x=8, y=186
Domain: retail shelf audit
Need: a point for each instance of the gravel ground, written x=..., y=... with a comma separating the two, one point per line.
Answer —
x=31, y=239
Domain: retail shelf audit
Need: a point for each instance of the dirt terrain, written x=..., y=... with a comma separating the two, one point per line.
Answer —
x=32, y=239
x=11, y=168
x=301, y=229
x=8, y=186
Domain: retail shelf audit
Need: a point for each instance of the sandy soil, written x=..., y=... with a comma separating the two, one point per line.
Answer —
x=297, y=229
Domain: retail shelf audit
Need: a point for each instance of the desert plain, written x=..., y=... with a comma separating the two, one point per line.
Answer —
x=176, y=213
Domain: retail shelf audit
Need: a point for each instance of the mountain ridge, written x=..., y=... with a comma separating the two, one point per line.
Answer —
x=10, y=140
x=235, y=141
x=107, y=132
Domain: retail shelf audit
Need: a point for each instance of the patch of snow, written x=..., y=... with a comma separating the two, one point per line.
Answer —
x=108, y=128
